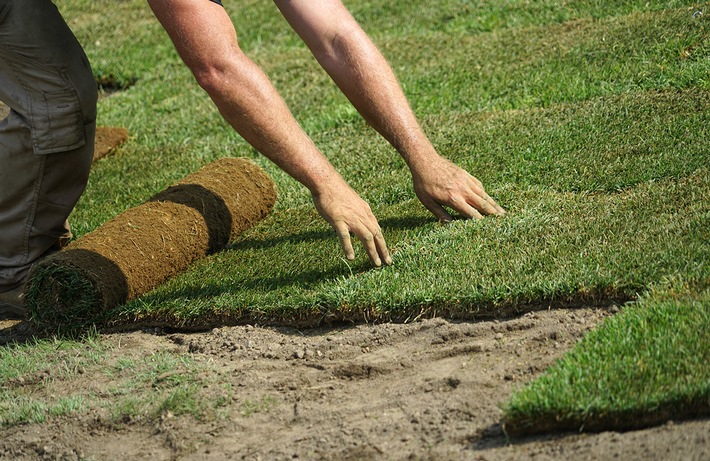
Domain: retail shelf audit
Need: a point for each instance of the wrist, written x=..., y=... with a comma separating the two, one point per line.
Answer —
x=419, y=159
x=325, y=182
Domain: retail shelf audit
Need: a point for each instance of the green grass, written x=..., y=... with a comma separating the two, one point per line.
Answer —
x=587, y=120
x=643, y=366
x=602, y=225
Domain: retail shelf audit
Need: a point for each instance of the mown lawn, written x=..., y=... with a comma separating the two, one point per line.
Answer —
x=588, y=121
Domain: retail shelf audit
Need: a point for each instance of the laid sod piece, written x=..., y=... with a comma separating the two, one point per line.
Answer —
x=601, y=228
x=145, y=245
x=642, y=367
x=107, y=139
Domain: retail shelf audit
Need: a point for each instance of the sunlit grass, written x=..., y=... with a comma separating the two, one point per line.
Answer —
x=587, y=120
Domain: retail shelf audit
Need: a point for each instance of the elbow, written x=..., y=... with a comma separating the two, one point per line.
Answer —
x=211, y=78
x=341, y=45
x=215, y=72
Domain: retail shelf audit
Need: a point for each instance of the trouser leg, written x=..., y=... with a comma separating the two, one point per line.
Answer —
x=46, y=141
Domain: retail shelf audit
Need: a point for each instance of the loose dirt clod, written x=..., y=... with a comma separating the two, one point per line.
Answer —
x=144, y=246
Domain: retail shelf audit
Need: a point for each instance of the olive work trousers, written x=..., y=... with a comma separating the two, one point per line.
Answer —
x=47, y=139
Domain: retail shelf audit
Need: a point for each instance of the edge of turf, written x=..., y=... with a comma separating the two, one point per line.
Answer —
x=632, y=419
x=324, y=315
x=580, y=392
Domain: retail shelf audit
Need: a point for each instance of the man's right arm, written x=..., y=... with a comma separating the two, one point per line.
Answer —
x=206, y=40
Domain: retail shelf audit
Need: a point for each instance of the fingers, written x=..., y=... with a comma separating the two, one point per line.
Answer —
x=481, y=200
x=501, y=211
x=476, y=206
x=373, y=247
x=437, y=210
x=348, y=213
x=468, y=202
x=381, y=247
x=455, y=189
x=485, y=204
x=374, y=242
x=488, y=205
x=344, y=235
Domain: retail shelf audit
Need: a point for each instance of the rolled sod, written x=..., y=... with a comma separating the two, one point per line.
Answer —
x=146, y=245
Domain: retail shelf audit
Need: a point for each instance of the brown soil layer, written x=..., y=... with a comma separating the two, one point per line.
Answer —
x=107, y=139
x=428, y=390
x=145, y=245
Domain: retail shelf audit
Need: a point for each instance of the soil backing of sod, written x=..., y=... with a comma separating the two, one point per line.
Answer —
x=107, y=139
x=145, y=245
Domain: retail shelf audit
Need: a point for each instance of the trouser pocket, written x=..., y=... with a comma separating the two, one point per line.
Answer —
x=58, y=123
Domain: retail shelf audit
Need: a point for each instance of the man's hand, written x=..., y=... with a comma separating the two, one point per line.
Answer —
x=343, y=208
x=440, y=183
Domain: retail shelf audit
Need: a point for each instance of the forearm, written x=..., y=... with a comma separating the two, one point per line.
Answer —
x=257, y=112
x=205, y=38
x=241, y=91
x=361, y=72
x=365, y=77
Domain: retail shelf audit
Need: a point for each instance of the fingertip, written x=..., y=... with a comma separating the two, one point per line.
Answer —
x=348, y=249
x=382, y=250
x=500, y=211
x=489, y=209
x=444, y=217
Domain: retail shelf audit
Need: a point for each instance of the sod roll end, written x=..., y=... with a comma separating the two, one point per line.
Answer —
x=146, y=245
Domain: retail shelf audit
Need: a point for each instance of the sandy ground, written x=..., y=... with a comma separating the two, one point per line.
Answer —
x=426, y=390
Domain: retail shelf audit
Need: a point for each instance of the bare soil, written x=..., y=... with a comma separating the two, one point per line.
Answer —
x=425, y=390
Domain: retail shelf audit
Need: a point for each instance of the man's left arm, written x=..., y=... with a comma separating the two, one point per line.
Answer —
x=355, y=64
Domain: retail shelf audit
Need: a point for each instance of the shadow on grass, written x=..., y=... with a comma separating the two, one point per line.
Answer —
x=15, y=332
x=23, y=332
x=304, y=279
x=400, y=223
x=203, y=291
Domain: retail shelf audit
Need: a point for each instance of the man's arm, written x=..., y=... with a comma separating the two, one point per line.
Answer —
x=359, y=69
x=206, y=40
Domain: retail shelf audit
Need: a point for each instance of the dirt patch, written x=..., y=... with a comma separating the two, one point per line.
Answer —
x=426, y=390
x=107, y=140
x=145, y=245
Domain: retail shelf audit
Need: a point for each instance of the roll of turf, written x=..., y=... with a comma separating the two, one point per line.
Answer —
x=146, y=245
